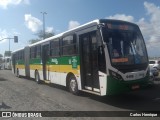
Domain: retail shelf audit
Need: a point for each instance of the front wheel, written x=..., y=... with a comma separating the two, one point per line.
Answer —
x=73, y=86
x=37, y=79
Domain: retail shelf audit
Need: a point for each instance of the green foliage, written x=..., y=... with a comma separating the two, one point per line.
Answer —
x=47, y=34
x=33, y=41
x=40, y=36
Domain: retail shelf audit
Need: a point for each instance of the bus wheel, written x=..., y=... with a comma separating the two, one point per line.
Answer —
x=73, y=86
x=37, y=79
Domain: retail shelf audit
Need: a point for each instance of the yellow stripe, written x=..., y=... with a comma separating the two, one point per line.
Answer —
x=64, y=68
x=20, y=66
x=57, y=68
x=34, y=67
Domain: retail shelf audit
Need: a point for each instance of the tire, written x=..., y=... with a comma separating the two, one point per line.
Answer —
x=73, y=86
x=37, y=79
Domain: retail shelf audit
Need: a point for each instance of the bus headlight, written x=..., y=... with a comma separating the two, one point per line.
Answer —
x=115, y=75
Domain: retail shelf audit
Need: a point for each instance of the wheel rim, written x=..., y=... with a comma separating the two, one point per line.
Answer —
x=73, y=84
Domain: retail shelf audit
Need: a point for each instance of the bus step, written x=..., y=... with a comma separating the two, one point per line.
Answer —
x=93, y=92
x=47, y=81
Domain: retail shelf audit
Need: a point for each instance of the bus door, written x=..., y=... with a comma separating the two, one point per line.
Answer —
x=89, y=61
x=45, y=58
x=14, y=63
x=26, y=61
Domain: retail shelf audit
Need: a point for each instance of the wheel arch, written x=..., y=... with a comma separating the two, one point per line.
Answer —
x=67, y=78
x=39, y=79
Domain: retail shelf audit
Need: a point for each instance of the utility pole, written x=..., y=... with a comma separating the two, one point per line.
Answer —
x=9, y=44
x=15, y=40
x=43, y=13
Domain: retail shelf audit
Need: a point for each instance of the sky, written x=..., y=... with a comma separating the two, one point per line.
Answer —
x=23, y=18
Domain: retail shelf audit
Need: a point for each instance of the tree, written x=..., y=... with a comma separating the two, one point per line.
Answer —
x=47, y=34
x=40, y=36
x=33, y=41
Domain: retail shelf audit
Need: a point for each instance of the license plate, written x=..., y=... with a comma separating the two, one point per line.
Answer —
x=135, y=87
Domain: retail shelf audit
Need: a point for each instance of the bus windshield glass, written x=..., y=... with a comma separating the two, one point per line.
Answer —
x=125, y=45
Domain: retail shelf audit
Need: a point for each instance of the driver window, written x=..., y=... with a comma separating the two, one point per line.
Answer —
x=101, y=55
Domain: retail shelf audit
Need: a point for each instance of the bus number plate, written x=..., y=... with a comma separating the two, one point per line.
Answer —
x=135, y=87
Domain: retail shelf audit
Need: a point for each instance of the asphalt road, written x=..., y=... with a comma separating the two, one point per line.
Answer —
x=21, y=94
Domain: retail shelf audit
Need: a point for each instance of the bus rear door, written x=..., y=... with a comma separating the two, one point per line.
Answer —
x=45, y=58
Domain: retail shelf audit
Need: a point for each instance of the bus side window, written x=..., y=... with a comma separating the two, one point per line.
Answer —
x=69, y=45
x=38, y=51
x=32, y=52
x=55, y=48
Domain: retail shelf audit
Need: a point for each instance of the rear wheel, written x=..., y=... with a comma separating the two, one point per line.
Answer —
x=73, y=86
x=37, y=79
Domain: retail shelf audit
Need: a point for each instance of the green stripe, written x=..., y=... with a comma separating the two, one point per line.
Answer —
x=115, y=86
x=66, y=60
x=20, y=62
x=35, y=61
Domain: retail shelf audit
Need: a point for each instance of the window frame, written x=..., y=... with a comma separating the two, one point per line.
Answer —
x=52, y=47
x=37, y=51
x=74, y=44
x=32, y=52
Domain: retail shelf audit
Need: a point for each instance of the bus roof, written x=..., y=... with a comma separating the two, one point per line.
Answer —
x=94, y=22
x=18, y=49
x=61, y=34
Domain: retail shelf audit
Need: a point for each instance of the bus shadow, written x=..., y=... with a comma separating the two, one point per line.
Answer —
x=4, y=106
x=43, y=83
x=3, y=79
x=144, y=100
x=57, y=86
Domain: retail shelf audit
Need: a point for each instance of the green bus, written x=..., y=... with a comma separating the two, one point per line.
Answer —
x=102, y=57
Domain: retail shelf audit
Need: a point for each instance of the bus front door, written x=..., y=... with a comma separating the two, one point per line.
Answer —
x=89, y=61
x=45, y=57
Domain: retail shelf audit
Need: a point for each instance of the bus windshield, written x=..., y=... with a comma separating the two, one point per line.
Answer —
x=126, y=47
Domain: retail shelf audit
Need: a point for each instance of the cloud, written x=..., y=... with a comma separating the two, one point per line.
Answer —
x=7, y=34
x=5, y=3
x=49, y=29
x=13, y=30
x=3, y=34
x=149, y=28
x=73, y=24
x=122, y=17
x=32, y=23
x=26, y=2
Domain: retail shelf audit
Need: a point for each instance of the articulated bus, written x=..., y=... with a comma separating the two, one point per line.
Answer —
x=102, y=57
